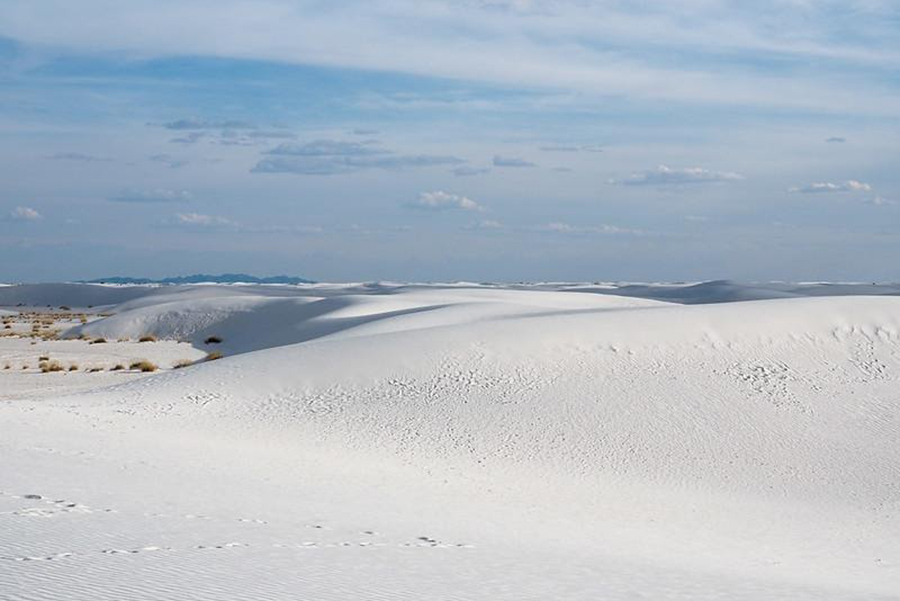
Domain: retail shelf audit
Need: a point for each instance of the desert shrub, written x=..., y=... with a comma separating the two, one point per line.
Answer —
x=118, y=367
x=49, y=366
x=7, y=366
x=214, y=355
x=213, y=340
x=44, y=358
x=144, y=365
x=94, y=370
x=147, y=338
x=65, y=308
x=73, y=367
x=182, y=363
x=98, y=341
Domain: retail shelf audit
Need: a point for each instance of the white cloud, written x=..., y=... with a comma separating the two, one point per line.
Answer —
x=850, y=185
x=442, y=201
x=665, y=176
x=25, y=214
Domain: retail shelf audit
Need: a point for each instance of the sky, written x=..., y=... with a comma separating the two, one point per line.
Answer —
x=439, y=140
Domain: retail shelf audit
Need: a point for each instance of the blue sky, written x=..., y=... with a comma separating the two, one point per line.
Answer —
x=439, y=140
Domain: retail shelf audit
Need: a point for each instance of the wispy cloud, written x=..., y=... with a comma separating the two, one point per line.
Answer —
x=566, y=228
x=216, y=223
x=666, y=176
x=850, y=185
x=156, y=195
x=502, y=161
x=835, y=140
x=168, y=160
x=331, y=157
x=443, y=201
x=466, y=171
x=324, y=148
x=550, y=44
x=25, y=214
x=77, y=156
x=571, y=148
x=196, y=123
x=201, y=220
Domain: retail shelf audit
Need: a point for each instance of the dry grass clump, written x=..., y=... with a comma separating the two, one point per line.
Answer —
x=7, y=366
x=98, y=341
x=213, y=340
x=182, y=363
x=213, y=356
x=144, y=365
x=118, y=367
x=44, y=358
x=94, y=370
x=73, y=367
x=49, y=366
x=147, y=338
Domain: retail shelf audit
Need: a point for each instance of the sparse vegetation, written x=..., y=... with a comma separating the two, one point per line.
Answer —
x=73, y=367
x=49, y=366
x=144, y=365
x=44, y=358
x=213, y=340
x=98, y=341
x=213, y=356
x=182, y=363
x=94, y=370
x=118, y=367
x=147, y=338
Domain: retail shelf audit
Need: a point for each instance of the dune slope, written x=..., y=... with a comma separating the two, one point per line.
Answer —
x=469, y=444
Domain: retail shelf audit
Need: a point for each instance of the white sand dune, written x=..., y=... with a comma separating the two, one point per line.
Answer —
x=467, y=443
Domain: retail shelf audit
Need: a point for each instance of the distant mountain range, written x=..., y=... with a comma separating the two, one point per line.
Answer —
x=202, y=278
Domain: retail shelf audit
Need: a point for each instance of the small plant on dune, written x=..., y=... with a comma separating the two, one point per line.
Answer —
x=73, y=367
x=94, y=370
x=213, y=340
x=118, y=367
x=50, y=366
x=147, y=338
x=182, y=363
x=213, y=356
x=24, y=367
x=43, y=358
x=98, y=341
x=7, y=366
x=144, y=365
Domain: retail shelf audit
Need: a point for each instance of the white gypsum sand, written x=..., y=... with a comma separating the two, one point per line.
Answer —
x=466, y=442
